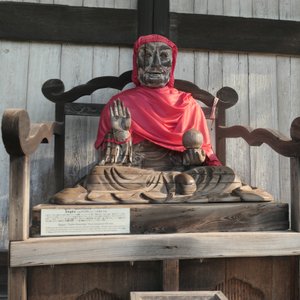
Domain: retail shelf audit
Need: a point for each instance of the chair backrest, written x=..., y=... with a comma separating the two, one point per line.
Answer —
x=65, y=105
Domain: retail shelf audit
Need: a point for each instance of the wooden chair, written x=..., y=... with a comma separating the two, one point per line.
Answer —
x=21, y=139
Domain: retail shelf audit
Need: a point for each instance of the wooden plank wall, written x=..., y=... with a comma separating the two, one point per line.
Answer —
x=267, y=85
x=24, y=68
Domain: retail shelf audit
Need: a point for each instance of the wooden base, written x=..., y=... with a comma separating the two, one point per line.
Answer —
x=238, y=278
x=180, y=218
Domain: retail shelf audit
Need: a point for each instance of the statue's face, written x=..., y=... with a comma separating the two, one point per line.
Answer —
x=154, y=62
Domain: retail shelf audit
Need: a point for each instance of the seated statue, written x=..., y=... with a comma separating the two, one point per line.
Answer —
x=154, y=144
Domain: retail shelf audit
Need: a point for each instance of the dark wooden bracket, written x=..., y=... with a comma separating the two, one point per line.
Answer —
x=22, y=138
x=277, y=141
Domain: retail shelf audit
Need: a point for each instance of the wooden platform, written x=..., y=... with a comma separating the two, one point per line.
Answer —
x=92, y=249
x=189, y=218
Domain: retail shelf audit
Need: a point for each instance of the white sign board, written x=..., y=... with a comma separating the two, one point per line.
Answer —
x=73, y=221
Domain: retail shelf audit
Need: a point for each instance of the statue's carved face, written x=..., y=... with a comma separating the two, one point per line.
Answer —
x=154, y=62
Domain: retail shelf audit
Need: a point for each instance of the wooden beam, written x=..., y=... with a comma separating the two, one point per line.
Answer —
x=86, y=25
x=235, y=34
x=62, y=23
x=92, y=249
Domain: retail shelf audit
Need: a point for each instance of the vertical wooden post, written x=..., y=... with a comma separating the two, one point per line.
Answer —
x=19, y=201
x=221, y=142
x=295, y=193
x=295, y=178
x=145, y=17
x=153, y=17
x=171, y=275
x=59, y=149
x=161, y=19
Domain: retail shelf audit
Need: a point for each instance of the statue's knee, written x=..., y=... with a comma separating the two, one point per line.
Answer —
x=185, y=184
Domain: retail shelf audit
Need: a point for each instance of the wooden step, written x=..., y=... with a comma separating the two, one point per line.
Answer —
x=189, y=218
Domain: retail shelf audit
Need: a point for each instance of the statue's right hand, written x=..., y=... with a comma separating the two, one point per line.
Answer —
x=118, y=148
x=120, y=121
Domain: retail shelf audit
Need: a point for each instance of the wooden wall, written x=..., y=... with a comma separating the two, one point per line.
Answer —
x=267, y=85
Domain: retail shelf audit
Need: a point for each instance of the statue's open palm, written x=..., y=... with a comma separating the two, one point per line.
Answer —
x=120, y=151
x=120, y=120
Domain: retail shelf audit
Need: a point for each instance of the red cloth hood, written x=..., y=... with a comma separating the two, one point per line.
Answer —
x=150, y=39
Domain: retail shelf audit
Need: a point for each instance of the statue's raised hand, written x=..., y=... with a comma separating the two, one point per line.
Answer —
x=118, y=147
x=120, y=121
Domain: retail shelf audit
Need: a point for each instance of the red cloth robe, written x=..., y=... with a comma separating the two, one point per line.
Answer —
x=159, y=115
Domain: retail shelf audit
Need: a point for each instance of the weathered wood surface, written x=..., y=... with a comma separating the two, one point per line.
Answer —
x=172, y=218
x=126, y=4
x=112, y=281
x=54, y=90
x=19, y=198
x=145, y=17
x=3, y=274
x=203, y=295
x=51, y=251
x=119, y=279
x=20, y=137
x=243, y=278
x=238, y=34
x=170, y=274
x=256, y=137
x=84, y=25
x=295, y=193
x=210, y=71
x=19, y=203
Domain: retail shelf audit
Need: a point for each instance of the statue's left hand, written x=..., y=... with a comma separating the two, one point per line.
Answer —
x=193, y=157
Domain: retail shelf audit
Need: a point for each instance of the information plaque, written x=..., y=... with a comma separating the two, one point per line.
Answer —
x=84, y=221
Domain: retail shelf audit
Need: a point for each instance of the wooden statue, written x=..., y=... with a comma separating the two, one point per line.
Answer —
x=154, y=144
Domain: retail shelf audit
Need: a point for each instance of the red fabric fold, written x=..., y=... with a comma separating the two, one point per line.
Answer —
x=159, y=115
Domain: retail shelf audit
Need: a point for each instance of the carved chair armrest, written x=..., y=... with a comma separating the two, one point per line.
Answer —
x=20, y=137
x=283, y=145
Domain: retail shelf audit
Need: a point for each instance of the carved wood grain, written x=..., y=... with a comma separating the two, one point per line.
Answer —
x=170, y=275
x=237, y=289
x=20, y=137
x=19, y=203
x=140, y=247
x=295, y=129
x=54, y=90
x=97, y=294
x=175, y=218
x=256, y=137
